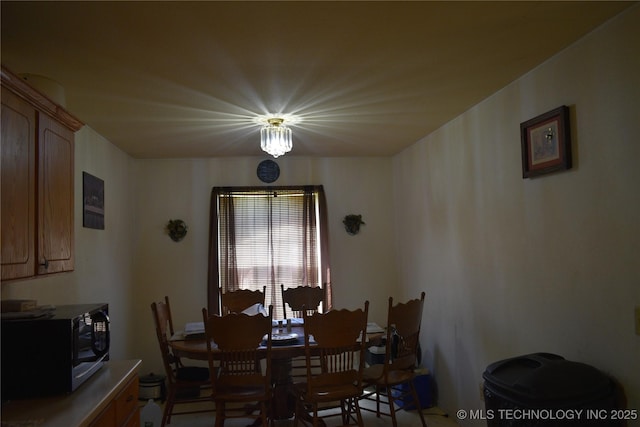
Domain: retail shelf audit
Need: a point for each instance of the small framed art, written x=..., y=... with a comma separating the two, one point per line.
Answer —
x=546, y=143
x=92, y=202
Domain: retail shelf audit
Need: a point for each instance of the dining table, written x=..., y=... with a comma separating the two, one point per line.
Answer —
x=287, y=342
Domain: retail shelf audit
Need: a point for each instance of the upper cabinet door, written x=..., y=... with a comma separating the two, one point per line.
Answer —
x=37, y=234
x=18, y=187
x=55, y=196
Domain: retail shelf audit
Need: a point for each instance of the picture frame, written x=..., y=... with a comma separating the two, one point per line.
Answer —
x=546, y=143
x=92, y=202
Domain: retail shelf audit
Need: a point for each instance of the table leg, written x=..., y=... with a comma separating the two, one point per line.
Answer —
x=283, y=403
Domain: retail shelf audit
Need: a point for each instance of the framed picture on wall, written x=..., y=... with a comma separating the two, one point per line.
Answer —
x=546, y=143
x=92, y=202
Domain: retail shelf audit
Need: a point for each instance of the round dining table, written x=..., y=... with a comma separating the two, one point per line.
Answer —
x=285, y=345
x=285, y=348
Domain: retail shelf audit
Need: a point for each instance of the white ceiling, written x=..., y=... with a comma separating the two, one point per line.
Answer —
x=187, y=79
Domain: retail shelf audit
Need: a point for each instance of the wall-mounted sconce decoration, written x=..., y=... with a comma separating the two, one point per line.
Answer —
x=177, y=229
x=352, y=223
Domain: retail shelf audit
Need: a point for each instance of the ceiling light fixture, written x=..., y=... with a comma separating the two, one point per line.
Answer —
x=275, y=138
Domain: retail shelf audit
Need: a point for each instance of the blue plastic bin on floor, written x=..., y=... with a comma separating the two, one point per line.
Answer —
x=423, y=387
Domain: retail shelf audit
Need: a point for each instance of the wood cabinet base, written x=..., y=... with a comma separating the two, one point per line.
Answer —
x=108, y=399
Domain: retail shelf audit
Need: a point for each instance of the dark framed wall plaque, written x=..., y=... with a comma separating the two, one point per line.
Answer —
x=92, y=202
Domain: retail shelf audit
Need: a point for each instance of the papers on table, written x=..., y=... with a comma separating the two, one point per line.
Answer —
x=296, y=321
x=374, y=328
x=256, y=309
x=194, y=330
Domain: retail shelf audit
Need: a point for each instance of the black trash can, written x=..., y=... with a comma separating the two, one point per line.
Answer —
x=152, y=387
x=544, y=389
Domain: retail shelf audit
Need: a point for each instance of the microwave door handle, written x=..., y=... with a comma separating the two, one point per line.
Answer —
x=90, y=368
x=103, y=319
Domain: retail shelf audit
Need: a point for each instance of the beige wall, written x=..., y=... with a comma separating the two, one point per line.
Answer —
x=513, y=266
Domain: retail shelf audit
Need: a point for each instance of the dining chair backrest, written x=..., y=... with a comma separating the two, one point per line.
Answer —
x=240, y=300
x=339, y=340
x=392, y=382
x=301, y=297
x=164, y=330
x=237, y=346
x=186, y=384
x=238, y=342
x=403, y=334
x=164, y=316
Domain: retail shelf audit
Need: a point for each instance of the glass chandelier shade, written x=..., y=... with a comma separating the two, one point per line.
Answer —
x=275, y=138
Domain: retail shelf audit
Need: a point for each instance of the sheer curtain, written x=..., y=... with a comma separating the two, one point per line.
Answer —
x=267, y=236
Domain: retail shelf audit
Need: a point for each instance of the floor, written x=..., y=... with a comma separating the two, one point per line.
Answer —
x=433, y=416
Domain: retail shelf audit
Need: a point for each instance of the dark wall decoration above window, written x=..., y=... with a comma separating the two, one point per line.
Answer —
x=92, y=202
x=268, y=171
x=546, y=143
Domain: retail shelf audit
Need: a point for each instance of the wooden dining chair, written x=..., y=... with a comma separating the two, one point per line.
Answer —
x=240, y=300
x=338, y=338
x=394, y=379
x=185, y=384
x=299, y=298
x=234, y=347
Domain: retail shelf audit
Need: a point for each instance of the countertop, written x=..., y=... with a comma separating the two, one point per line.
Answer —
x=75, y=409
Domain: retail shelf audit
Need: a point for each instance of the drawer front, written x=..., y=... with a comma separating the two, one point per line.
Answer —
x=134, y=419
x=107, y=418
x=127, y=402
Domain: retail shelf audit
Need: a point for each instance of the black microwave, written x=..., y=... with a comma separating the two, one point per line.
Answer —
x=53, y=353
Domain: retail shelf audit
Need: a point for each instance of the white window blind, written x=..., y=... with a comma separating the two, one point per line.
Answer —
x=268, y=238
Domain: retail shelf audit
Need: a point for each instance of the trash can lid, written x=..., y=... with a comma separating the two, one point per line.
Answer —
x=547, y=377
x=151, y=379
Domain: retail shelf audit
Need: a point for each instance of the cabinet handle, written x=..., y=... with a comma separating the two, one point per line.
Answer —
x=45, y=264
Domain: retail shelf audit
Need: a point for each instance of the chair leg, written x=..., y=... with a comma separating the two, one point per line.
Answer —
x=378, y=391
x=263, y=414
x=358, y=413
x=416, y=401
x=350, y=411
x=345, y=411
x=297, y=412
x=392, y=408
x=220, y=415
x=168, y=408
x=302, y=413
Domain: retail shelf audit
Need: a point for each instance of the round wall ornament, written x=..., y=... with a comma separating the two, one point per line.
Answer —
x=268, y=171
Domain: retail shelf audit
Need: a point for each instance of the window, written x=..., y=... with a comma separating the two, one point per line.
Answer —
x=267, y=237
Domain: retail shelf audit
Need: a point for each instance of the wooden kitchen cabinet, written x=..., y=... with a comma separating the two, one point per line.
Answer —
x=107, y=418
x=108, y=399
x=37, y=182
x=18, y=187
x=127, y=410
x=123, y=411
x=55, y=196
